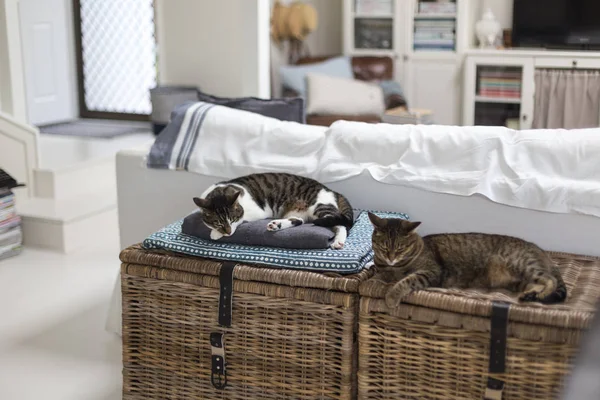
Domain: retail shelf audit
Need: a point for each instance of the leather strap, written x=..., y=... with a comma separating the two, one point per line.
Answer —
x=226, y=293
x=498, y=335
x=218, y=376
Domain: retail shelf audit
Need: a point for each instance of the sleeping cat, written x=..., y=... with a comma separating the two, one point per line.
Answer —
x=409, y=262
x=292, y=200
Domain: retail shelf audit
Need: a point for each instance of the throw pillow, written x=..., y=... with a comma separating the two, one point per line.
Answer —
x=340, y=96
x=294, y=76
x=289, y=109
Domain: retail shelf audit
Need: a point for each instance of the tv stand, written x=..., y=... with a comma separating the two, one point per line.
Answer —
x=498, y=85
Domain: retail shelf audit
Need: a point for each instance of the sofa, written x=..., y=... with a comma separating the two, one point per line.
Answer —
x=365, y=68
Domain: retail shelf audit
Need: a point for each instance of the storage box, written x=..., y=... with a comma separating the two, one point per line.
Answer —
x=292, y=333
x=436, y=345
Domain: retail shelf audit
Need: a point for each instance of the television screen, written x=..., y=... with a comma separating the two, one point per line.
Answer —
x=556, y=23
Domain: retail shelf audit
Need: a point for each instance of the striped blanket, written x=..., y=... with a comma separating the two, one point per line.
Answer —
x=219, y=141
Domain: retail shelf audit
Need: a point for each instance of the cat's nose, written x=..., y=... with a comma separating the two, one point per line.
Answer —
x=227, y=230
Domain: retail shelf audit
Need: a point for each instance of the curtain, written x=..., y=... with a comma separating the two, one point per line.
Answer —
x=566, y=99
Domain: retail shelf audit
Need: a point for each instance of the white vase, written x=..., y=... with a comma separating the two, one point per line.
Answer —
x=488, y=30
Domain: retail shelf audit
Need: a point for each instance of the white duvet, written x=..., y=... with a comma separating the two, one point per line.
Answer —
x=547, y=170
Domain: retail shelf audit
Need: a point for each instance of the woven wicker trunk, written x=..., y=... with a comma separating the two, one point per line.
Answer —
x=436, y=345
x=293, y=333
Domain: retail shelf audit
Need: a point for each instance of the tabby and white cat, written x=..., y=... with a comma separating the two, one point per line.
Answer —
x=292, y=200
x=408, y=262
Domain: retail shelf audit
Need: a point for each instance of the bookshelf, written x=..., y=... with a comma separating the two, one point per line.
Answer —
x=426, y=39
x=499, y=91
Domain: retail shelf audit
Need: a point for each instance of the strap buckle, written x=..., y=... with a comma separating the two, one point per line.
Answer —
x=218, y=375
x=494, y=389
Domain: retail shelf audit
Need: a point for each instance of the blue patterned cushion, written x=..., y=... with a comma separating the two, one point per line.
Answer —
x=355, y=255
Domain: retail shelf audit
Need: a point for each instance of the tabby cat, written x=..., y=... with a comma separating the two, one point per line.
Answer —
x=292, y=200
x=408, y=262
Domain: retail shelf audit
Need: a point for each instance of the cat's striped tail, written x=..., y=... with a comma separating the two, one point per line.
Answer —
x=560, y=293
x=343, y=215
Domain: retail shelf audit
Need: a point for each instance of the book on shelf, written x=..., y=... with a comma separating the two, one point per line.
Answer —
x=374, y=7
x=500, y=83
x=434, y=34
x=500, y=93
x=430, y=7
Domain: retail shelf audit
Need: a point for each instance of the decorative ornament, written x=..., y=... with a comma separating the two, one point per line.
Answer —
x=488, y=30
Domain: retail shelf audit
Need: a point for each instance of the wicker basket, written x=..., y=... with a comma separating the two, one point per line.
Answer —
x=293, y=333
x=436, y=345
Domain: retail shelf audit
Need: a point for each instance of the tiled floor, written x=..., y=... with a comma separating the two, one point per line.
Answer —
x=53, y=307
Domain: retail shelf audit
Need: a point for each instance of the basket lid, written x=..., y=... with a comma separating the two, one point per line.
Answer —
x=580, y=273
x=306, y=279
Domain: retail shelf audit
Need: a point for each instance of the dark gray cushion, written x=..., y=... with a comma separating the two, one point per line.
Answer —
x=307, y=236
x=289, y=109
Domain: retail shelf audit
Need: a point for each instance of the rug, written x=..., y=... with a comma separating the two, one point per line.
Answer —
x=96, y=128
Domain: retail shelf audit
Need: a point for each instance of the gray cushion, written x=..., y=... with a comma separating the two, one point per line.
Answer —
x=307, y=236
x=289, y=109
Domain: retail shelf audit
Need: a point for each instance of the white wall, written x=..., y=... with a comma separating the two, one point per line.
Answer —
x=220, y=46
x=502, y=9
x=326, y=40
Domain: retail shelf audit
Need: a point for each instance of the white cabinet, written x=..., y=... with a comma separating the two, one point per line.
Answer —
x=499, y=91
x=506, y=70
x=436, y=85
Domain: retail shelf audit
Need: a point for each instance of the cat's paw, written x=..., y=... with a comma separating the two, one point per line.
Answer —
x=397, y=293
x=274, y=226
x=338, y=244
x=215, y=235
x=530, y=296
x=393, y=298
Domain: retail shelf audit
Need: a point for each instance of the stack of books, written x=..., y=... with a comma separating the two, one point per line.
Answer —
x=434, y=35
x=500, y=83
x=435, y=7
x=11, y=236
x=435, y=26
x=411, y=116
x=374, y=7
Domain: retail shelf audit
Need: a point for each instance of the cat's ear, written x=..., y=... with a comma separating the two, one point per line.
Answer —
x=233, y=197
x=376, y=221
x=202, y=203
x=411, y=226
